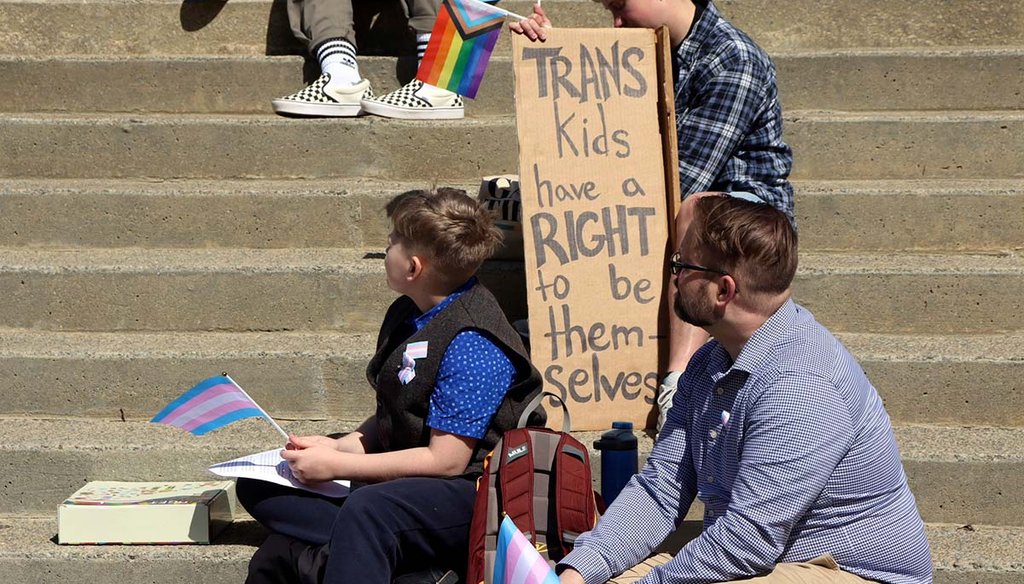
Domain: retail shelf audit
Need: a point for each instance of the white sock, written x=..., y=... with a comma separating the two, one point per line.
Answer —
x=338, y=58
x=421, y=46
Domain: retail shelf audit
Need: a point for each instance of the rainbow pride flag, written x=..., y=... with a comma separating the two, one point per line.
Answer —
x=460, y=46
x=516, y=561
x=213, y=403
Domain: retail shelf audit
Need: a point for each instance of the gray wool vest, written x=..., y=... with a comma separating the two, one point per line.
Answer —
x=402, y=409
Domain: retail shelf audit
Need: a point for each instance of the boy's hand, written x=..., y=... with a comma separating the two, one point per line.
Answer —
x=534, y=26
x=315, y=463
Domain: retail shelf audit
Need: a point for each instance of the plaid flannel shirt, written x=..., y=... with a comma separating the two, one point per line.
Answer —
x=728, y=117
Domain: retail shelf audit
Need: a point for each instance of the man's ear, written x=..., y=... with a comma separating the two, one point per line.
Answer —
x=726, y=288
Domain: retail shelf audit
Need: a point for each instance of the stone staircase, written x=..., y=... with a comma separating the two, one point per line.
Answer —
x=158, y=224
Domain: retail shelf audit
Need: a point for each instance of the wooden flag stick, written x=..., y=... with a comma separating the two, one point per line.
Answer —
x=502, y=10
x=263, y=411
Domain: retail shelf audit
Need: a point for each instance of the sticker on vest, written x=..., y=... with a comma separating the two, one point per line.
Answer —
x=412, y=352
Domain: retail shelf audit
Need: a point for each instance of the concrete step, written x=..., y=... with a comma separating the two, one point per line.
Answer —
x=902, y=79
x=212, y=290
x=233, y=290
x=881, y=215
x=910, y=293
x=830, y=146
x=240, y=28
x=54, y=27
x=343, y=213
x=958, y=475
x=897, y=79
x=980, y=554
x=160, y=146
x=922, y=215
x=319, y=376
x=199, y=290
x=294, y=376
x=70, y=452
x=905, y=145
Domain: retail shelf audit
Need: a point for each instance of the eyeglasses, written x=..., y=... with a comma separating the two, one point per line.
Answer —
x=676, y=265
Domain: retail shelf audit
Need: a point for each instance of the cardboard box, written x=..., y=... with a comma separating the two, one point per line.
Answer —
x=110, y=512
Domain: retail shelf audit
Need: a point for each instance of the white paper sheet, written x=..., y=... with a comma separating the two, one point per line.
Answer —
x=269, y=466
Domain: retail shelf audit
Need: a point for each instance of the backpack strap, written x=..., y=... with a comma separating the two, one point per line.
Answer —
x=517, y=476
x=535, y=403
x=479, y=527
x=574, y=497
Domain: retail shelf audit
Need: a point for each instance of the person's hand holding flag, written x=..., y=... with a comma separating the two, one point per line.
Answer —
x=534, y=26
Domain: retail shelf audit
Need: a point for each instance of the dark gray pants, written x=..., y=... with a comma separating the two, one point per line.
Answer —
x=315, y=21
x=378, y=532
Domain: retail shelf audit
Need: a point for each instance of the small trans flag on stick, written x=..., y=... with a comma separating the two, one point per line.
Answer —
x=213, y=403
x=460, y=45
x=516, y=561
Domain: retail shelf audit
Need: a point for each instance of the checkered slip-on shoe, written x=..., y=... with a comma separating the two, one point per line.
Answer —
x=322, y=99
x=417, y=101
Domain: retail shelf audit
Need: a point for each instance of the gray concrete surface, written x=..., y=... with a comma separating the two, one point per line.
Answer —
x=260, y=27
x=321, y=375
x=154, y=146
x=344, y=289
x=185, y=214
x=965, y=145
x=979, y=555
x=957, y=474
x=906, y=119
x=896, y=215
x=870, y=80
x=910, y=215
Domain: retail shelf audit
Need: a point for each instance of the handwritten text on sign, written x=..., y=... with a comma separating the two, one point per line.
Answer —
x=595, y=218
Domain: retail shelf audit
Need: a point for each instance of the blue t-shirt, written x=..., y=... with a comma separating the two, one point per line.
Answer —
x=472, y=379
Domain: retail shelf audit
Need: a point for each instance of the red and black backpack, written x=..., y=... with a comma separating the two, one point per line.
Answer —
x=540, y=478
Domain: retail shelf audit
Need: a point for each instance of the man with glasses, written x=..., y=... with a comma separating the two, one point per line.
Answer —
x=728, y=121
x=775, y=428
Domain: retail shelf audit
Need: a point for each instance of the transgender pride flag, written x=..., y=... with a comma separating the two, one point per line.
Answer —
x=460, y=45
x=516, y=561
x=214, y=403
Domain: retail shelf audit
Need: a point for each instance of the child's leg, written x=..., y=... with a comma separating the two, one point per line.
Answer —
x=422, y=14
x=315, y=21
x=286, y=560
x=401, y=526
x=292, y=512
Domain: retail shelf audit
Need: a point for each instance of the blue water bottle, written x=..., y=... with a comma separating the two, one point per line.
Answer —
x=618, y=459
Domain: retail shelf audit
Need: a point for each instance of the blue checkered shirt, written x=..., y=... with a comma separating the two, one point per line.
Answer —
x=728, y=117
x=792, y=454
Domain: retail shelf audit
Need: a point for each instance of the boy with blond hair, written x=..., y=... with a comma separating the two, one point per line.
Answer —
x=450, y=376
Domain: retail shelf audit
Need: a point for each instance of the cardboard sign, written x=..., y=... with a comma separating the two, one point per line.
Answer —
x=595, y=218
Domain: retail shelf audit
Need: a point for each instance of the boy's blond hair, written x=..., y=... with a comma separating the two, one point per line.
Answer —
x=448, y=227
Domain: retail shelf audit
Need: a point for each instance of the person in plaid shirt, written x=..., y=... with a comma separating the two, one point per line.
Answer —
x=728, y=122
